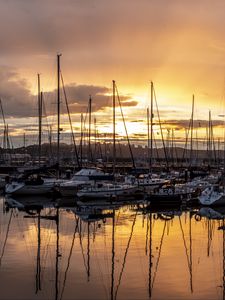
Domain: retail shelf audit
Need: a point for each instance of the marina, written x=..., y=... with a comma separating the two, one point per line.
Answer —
x=112, y=150
x=126, y=227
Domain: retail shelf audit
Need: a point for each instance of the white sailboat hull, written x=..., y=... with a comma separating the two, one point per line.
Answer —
x=23, y=189
x=70, y=188
x=106, y=193
x=211, y=197
x=213, y=200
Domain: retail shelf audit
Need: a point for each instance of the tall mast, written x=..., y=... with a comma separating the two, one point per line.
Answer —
x=151, y=130
x=114, y=127
x=50, y=139
x=197, y=145
x=6, y=143
x=24, y=145
x=209, y=139
x=148, y=128
x=58, y=106
x=5, y=126
x=192, y=125
x=172, y=147
x=223, y=156
x=95, y=151
x=39, y=119
x=81, y=140
x=89, y=130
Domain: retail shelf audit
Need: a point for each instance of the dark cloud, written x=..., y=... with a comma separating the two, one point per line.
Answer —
x=16, y=97
x=19, y=102
x=78, y=97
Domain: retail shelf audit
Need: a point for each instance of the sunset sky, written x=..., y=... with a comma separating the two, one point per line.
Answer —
x=179, y=45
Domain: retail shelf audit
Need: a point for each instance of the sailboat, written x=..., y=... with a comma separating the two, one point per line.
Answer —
x=32, y=187
x=35, y=185
x=113, y=189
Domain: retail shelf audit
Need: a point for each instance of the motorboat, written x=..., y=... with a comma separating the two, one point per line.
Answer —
x=109, y=191
x=213, y=195
x=85, y=176
x=34, y=185
x=150, y=182
x=172, y=194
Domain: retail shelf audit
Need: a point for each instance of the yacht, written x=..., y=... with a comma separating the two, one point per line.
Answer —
x=212, y=195
x=85, y=176
x=172, y=194
x=34, y=185
x=109, y=191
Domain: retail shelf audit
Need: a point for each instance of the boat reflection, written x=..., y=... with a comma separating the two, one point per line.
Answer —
x=118, y=250
x=217, y=213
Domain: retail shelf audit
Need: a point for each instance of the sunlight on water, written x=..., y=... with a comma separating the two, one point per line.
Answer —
x=113, y=252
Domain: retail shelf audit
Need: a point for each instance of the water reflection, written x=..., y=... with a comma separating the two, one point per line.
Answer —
x=110, y=251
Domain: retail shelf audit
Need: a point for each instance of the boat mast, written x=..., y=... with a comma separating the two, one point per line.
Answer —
x=114, y=127
x=6, y=143
x=95, y=148
x=172, y=147
x=58, y=108
x=24, y=146
x=196, y=145
x=151, y=130
x=148, y=128
x=209, y=139
x=223, y=156
x=89, y=129
x=192, y=125
x=50, y=139
x=71, y=125
x=81, y=140
x=39, y=119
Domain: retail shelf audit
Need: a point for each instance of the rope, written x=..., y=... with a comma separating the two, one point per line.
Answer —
x=125, y=127
x=71, y=126
x=160, y=126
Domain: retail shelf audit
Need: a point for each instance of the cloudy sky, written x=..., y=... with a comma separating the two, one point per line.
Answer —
x=178, y=44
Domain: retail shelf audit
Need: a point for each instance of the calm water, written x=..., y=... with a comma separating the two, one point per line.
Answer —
x=122, y=252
